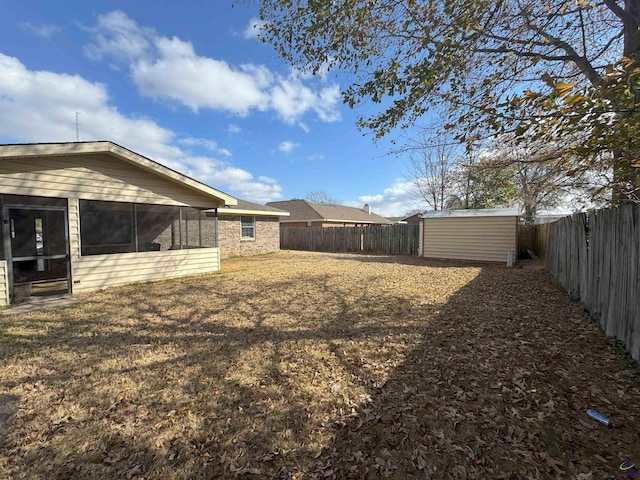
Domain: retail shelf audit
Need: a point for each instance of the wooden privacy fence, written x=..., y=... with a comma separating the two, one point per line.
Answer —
x=383, y=239
x=533, y=237
x=596, y=256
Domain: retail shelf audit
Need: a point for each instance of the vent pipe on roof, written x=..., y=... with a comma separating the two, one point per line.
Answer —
x=367, y=208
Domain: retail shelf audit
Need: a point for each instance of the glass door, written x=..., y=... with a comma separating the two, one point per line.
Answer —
x=38, y=251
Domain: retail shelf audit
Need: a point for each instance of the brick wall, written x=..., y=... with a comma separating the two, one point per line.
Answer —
x=294, y=224
x=267, y=237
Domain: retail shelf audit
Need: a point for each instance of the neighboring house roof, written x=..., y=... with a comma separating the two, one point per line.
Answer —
x=411, y=217
x=395, y=219
x=485, y=212
x=306, y=211
x=249, y=208
x=110, y=148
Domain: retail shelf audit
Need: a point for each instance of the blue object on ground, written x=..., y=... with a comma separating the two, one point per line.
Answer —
x=598, y=416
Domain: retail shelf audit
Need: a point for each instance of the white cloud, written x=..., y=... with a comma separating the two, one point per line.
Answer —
x=315, y=156
x=372, y=199
x=233, y=128
x=287, y=146
x=43, y=30
x=40, y=106
x=170, y=69
x=253, y=28
x=208, y=144
x=202, y=142
x=304, y=127
x=291, y=99
x=199, y=82
x=117, y=36
x=395, y=200
x=264, y=179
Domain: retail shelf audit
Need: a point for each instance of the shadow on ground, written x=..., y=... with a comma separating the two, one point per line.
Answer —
x=498, y=388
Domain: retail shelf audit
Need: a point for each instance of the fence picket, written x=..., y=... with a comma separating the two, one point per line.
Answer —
x=596, y=257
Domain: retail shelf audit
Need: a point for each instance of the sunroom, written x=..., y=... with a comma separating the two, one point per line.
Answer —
x=88, y=215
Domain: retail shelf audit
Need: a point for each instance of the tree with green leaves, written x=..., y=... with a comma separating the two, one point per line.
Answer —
x=540, y=70
x=446, y=177
x=539, y=175
x=480, y=185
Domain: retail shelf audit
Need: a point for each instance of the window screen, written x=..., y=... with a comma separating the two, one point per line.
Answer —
x=247, y=227
x=106, y=227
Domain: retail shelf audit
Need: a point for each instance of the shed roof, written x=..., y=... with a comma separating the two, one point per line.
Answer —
x=484, y=212
x=27, y=150
x=249, y=208
x=306, y=211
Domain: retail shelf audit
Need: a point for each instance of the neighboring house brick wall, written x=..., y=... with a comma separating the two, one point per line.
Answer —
x=294, y=224
x=267, y=233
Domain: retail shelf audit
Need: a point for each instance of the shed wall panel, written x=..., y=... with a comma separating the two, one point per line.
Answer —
x=100, y=271
x=487, y=239
x=94, y=177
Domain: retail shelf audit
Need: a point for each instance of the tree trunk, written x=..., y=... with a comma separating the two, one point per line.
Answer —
x=626, y=165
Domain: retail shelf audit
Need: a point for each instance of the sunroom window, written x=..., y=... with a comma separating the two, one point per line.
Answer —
x=117, y=227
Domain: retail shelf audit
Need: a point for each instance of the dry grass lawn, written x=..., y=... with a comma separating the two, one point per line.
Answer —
x=303, y=365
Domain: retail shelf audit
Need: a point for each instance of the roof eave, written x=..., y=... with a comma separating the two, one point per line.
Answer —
x=261, y=213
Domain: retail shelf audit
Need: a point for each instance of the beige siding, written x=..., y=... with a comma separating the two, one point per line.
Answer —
x=4, y=283
x=486, y=239
x=74, y=227
x=94, y=177
x=99, y=271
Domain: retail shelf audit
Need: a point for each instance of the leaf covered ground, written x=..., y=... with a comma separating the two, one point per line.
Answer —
x=307, y=365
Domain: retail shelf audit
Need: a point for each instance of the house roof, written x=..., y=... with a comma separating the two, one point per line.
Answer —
x=249, y=208
x=485, y=212
x=306, y=211
x=417, y=215
x=105, y=147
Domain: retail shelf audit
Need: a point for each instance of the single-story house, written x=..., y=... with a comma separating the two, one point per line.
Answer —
x=488, y=235
x=87, y=215
x=249, y=229
x=308, y=214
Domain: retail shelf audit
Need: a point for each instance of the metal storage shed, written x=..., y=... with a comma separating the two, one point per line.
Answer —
x=488, y=235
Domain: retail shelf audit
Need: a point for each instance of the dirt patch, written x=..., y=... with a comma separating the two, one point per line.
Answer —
x=302, y=365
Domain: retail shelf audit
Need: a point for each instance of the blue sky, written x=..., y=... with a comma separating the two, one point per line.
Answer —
x=187, y=84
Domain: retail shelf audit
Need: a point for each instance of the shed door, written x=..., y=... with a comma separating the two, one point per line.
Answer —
x=38, y=253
